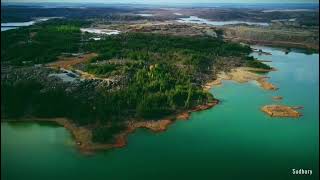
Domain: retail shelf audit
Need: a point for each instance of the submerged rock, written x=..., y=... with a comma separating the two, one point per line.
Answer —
x=277, y=97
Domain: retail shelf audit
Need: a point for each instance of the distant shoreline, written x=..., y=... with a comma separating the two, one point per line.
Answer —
x=279, y=44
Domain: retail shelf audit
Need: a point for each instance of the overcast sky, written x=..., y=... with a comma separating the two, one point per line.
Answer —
x=169, y=1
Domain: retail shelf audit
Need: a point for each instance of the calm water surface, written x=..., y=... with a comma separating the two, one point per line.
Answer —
x=197, y=20
x=14, y=25
x=233, y=140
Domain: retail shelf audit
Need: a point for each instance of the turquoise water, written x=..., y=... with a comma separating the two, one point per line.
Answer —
x=233, y=140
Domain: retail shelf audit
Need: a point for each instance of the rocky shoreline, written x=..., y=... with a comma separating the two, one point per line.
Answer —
x=245, y=74
x=241, y=75
x=153, y=125
x=83, y=135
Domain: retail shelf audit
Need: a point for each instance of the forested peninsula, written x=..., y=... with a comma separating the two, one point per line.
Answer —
x=103, y=89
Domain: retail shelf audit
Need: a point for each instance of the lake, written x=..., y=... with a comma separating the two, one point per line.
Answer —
x=197, y=20
x=233, y=140
x=15, y=25
x=100, y=31
x=145, y=15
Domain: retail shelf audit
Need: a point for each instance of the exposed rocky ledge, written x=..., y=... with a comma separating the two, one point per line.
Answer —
x=243, y=75
x=265, y=84
x=153, y=125
x=281, y=111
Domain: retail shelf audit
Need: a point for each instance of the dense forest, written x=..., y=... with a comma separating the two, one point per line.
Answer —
x=40, y=43
x=22, y=14
x=161, y=75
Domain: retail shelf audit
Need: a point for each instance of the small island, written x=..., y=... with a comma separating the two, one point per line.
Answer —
x=281, y=111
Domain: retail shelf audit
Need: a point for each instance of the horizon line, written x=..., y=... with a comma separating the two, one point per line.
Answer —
x=19, y=2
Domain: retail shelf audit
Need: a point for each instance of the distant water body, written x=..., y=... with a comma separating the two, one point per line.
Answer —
x=197, y=20
x=233, y=140
x=100, y=31
x=7, y=28
x=145, y=15
x=15, y=25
